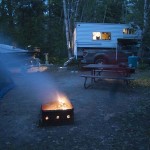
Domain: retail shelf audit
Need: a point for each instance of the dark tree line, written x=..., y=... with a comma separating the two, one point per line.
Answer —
x=40, y=23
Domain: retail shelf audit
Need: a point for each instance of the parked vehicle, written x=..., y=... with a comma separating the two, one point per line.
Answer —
x=105, y=42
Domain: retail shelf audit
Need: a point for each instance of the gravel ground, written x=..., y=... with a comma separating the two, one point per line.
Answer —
x=108, y=116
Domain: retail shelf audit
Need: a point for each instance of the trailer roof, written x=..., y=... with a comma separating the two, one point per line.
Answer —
x=100, y=23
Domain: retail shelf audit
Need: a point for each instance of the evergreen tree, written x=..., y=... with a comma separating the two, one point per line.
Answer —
x=30, y=22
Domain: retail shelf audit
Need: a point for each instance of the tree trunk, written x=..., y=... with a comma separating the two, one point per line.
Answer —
x=105, y=14
x=145, y=22
x=146, y=10
x=76, y=11
x=67, y=28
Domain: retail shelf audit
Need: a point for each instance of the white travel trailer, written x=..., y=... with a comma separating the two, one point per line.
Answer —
x=105, y=42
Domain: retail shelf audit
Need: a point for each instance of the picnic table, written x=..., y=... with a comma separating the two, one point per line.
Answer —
x=105, y=71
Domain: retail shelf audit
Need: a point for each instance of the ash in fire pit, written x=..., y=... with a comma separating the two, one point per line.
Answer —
x=57, y=112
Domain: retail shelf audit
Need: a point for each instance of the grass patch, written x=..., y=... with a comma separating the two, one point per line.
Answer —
x=143, y=78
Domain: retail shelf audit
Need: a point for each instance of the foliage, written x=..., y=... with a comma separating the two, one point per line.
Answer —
x=143, y=66
x=57, y=60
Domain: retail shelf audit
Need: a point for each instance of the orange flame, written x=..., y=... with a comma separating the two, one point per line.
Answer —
x=61, y=103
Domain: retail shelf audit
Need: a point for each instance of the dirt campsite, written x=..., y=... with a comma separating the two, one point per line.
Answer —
x=106, y=117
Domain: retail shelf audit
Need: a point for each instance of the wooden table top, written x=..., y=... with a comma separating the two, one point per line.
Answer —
x=105, y=66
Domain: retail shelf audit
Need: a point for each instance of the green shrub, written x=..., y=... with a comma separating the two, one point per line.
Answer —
x=143, y=66
x=57, y=60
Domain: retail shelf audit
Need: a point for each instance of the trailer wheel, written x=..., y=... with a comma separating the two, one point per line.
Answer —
x=100, y=60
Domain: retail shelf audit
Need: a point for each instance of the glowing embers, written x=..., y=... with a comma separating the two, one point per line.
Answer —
x=56, y=112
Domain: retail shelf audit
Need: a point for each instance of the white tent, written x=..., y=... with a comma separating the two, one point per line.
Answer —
x=6, y=57
x=6, y=82
x=10, y=49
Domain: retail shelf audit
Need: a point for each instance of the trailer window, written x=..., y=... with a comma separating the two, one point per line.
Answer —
x=96, y=35
x=106, y=36
x=128, y=31
x=101, y=36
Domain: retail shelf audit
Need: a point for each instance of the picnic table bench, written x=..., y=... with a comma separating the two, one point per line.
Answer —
x=114, y=72
x=125, y=79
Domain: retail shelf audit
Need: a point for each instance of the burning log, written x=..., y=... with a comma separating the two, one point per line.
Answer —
x=57, y=112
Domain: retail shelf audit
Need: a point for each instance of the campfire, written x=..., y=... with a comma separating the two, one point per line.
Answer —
x=58, y=111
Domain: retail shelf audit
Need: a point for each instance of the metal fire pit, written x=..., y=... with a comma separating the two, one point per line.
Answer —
x=57, y=113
